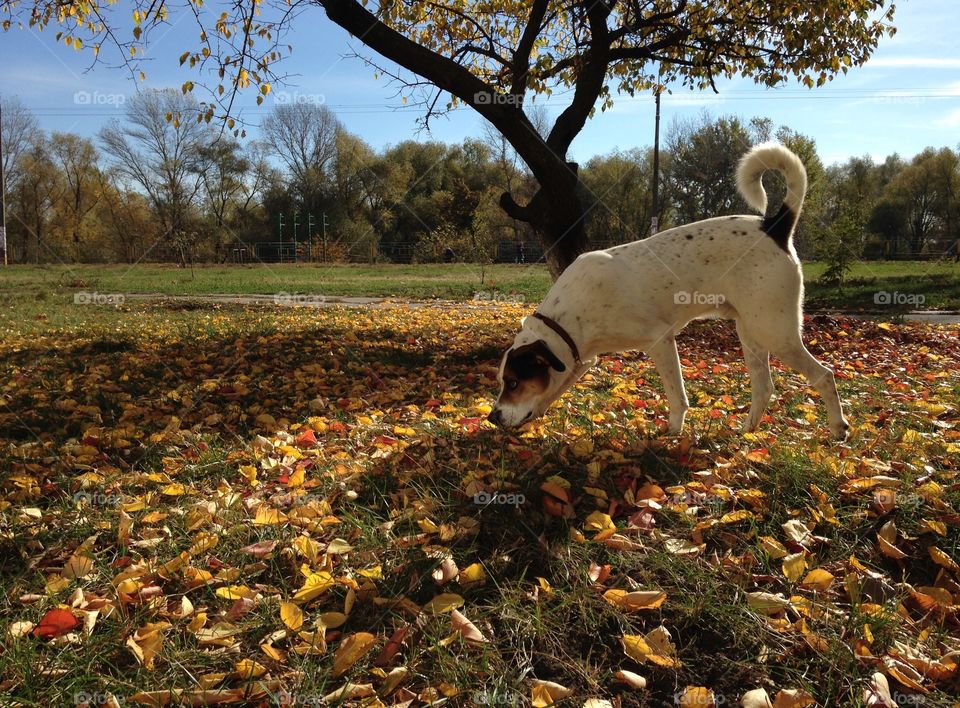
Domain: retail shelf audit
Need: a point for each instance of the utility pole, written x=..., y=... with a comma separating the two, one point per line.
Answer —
x=3, y=189
x=655, y=187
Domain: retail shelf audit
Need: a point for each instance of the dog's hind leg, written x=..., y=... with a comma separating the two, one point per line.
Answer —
x=761, y=385
x=667, y=361
x=821, y=378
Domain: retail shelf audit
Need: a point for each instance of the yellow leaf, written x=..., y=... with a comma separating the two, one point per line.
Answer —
x=696, y=696
x=351, y=650
x=656, y=647
x=818, y=579
x=338, y=547
x=794, y=565
x=77, y=567
x=249, y=669
x=443, y=603
x=598, y=521
x=546, y=693
x=736, y=516
x=296, y=478
x=939, y=557
x=635, y=601
x=315, y=585
x=473, y=573
x=268, y=516
x=236, y=592
x=291, y=615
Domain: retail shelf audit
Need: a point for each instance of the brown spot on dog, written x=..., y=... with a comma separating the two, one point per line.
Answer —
x=526, y=372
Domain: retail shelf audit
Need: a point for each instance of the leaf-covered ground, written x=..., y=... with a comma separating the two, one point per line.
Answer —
x=290, y=506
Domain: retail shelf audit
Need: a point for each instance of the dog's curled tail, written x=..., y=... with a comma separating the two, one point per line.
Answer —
x=773, y=156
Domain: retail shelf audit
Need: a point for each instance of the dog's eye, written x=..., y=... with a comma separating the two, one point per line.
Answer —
x=512, y=384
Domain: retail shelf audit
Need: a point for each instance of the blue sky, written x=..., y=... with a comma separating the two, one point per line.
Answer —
x=905, y=98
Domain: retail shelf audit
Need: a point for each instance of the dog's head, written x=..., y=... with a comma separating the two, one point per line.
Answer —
x=532, y=376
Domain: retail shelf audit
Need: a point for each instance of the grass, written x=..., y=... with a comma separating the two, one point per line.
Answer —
x=910, y=285
x=106, y=410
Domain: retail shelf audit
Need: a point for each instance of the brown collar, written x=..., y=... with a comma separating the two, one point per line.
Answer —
x=563, y=334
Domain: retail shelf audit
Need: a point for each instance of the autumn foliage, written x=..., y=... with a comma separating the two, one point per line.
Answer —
x=254, y=506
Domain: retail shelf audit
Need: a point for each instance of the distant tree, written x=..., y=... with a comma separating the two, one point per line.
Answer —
x=19, y=132
x=160, y=150
x=699, y=178
x=127, y=222
x=618, y=193
x=76, y=159
x=223, y=170
x=38, y=189
x=924, y=195
x=304, y=136
x=493, y=55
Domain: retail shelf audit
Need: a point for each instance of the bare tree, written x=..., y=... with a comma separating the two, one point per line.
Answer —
x=19, y=128
x=304, y=136
x=159, y=151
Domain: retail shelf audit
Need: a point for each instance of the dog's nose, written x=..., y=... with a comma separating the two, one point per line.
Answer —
x=494, y=416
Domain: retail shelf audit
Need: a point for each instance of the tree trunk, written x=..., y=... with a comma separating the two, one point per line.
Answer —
x=556, y=214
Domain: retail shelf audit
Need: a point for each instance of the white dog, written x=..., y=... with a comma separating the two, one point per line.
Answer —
x=640, y=295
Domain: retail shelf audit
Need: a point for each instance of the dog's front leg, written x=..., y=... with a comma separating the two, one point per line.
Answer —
x=667, y=361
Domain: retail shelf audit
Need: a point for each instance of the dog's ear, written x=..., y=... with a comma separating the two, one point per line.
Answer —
x=531, y=360
x=543, y=353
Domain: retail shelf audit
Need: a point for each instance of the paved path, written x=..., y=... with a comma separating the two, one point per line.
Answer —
x=290, y=300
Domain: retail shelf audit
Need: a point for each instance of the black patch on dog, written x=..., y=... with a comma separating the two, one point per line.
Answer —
x=780, y=226
x=530, y=360
x=689, y=236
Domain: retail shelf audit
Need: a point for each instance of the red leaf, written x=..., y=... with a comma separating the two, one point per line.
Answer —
x=56, y=623
x=306, y=439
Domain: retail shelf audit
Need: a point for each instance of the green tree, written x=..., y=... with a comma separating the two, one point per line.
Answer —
x=493, y=55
